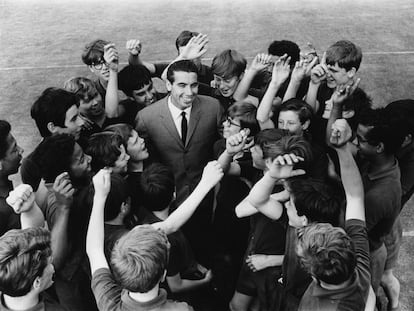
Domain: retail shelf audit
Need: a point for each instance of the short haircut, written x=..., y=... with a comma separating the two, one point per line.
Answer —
x=402, y=112
x=117, y=195
x=288, y=144
x=24, y=254
x=122, y=129
x=228, y=64
x=269, y=136
x=303, y=109
x=140, y=258
x=5, y=129
x=54, y=156
x=181, y=65
x=93, y=52
x=104, y=148
x=246, y=113
x=345, y=53
x=133, y=78
x=384, y=129
x=326, y=252
x=83, y=88
x=52, y=106
x=184, y=37
x=157, y=185
x=316, y=200
x=279, y=48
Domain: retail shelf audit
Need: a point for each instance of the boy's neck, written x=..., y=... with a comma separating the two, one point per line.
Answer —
x=145, y=297
x=21, y=303
x=163, y=215
x=135, y=166
x=335, y=286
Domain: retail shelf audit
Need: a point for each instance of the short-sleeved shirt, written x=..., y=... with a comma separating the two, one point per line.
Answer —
x=8, y=218
x=111, y=297
x=352, y=297
x=46, y=303
x=405, y=158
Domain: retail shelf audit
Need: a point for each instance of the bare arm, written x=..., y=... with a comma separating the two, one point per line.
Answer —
x=301, y=70
x=318, y=74
x=179, y=285
x=134, y=48
x=111, y=97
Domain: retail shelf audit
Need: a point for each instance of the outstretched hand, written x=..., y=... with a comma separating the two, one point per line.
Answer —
x=341, y=133
x=281, y=69
x=111, y=56
x=282, y=166
x=212, y=174
x=196, y=47
x=102, y=182
x=134, y=47
x=343, y=92
x=237, y=142
x=303, y=69
x=21, y=199
x=260, y=62
x=319, y=72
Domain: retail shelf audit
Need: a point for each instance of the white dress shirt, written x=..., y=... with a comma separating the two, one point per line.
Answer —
x=176, y=115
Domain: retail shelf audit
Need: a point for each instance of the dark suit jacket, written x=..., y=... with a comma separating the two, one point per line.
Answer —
x=155, y=124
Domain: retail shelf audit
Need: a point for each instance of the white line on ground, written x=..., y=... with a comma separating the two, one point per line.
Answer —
x=408, y=233
x=167, y=61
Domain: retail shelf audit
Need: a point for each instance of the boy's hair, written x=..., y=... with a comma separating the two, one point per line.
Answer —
x=279, y=48
x=157, y=185
x=51, y=106
x=303, y=109
x=402, y=112
x=83, y=88
x=326, y=252
x=93, y=52
x=133, y=78
x=122, y=129
x=228, y=64
x=288, y=144
x=184, y=37
x=384, y=129
x=139, y=258
x=345, y=53
x=104, y=148
x=54, y=156
x=181, y=65
x=246, y=113
x=269, y=136
x=5, y=129
x=316, y=200
x=24, y=254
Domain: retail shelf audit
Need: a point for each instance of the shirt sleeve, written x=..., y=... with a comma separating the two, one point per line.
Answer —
x=106, y=291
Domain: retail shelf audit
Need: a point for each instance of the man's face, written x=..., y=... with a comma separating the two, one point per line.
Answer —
x=100, y=69
x=184, y=89
x=227, y=87
x=136, y=147
x=92, y=108
x=289, y=120
x=12, y=158
x=294, y=220
x=338, y=76
x=121, y=164
x=257, y=157
x=73, y=123
x=145, y=95
x=81, y=163
x=365, y=150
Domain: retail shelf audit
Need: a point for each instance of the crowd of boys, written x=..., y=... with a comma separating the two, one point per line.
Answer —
x=268, y=186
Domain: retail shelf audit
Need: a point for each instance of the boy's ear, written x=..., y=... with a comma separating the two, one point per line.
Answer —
x=90, y=68
x=380, y=147
x=305, y=125
x=348, y=114
x=304, y=220
x=351, y=72
x=407, y=140
x=168, y=85
x=37, y=282
x=51, y=127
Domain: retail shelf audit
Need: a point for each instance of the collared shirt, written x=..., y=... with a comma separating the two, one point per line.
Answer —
x=46, y=303
x=176, y=114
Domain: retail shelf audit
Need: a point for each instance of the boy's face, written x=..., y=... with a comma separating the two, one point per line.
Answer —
x=231, y=126
x=145, y=95
x=92, y=108
x=289, y=120
x=228, y=86
x=184, y=89
x=136, y=147
x=73, y=123
x=12, y=158
x=121, y=164
x=81, y=163
x=365, y=149
x=294, y=220
x=338, y=76
x=100, y=69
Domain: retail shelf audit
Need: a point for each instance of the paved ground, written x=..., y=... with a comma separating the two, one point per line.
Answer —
x=41, y=43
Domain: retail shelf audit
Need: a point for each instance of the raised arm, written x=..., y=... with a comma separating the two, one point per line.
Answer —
x=95, y=235
x=318, y=74
x=111, y=97
x=300, y=71
x=134, y=48
x=351, y=178
x=280, y=73
x=234, y=144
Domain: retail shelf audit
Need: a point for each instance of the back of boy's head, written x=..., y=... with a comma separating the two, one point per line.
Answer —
x=83, y=88
x=288, y=144
x=184, y=65
x=383, y=129
x=228, y=64
x=122, y=129
x=184, y=37
x=54, y=156
x=316, y=200
x=5, y=129
x=133, y=78
x=104, y=148
x=269, y=136
x=345, y=53
x=51, y=106
x=402, y=112
x=24, y=254
x=303, y=109
x=326, y=252
x=279, y=48
x=140, y=258
x=93, y=52
x=158, y=186
x=246, y=114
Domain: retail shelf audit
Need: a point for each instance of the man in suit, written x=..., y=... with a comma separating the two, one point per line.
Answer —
x=180, y=131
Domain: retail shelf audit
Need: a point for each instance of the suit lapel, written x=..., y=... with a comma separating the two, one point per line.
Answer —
x=194, y=118
x=168, y=122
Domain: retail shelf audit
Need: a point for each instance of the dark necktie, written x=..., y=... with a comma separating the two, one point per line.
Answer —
x=183, y=127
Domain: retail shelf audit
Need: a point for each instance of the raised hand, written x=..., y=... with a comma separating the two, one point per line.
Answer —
x=102, y=182
x=212, y=174
x=134, y=46
x=260, y=62
x=111, y=56
x=319, y=72
x=302, y=69
x=196, y=47
x=63, y=189
x=282, y=166
x=344, y=91
x=341, y=133
x=21, y=199
x=308, y=53
x=237, y=142
x=281, y=70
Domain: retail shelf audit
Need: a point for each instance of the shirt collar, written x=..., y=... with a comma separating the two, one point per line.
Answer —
x=175, y=112
x=386, y=172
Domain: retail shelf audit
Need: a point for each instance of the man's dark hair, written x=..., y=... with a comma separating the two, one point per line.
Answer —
x=104, y=148
x=51, y=106
x=181, y=65
x=279, y=48
x=93, y=52
x=132, y=78
x=5, y=129
x=184, y=37
x=158, y=185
